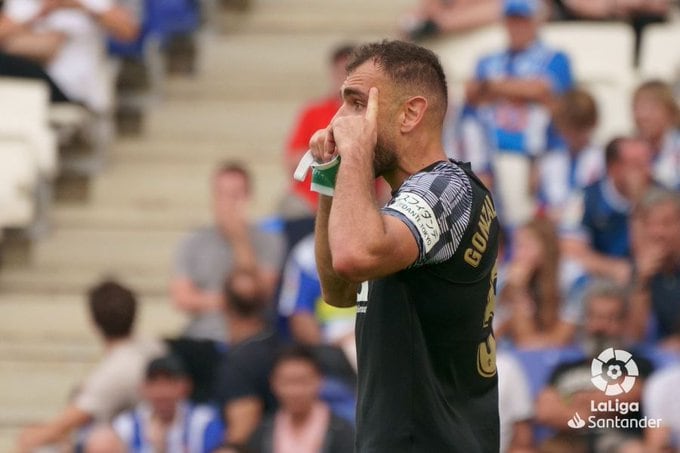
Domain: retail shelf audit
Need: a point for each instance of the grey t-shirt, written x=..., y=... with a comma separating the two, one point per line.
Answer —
x=206, y=258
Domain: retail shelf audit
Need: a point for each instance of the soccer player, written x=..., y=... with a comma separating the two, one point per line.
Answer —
x=420, y=270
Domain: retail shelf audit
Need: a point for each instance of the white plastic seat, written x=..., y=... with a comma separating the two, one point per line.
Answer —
x=18, y=181
x=599, y=52
x=24, y=113
x=659, y=53
x=460, y=53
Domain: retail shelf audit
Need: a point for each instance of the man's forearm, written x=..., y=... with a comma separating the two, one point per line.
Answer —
x=536, y=90
x=336, y=290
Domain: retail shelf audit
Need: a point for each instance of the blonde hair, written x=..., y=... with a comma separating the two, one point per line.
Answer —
x=661, y=93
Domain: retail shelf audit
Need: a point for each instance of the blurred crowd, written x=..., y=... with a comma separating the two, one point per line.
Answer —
x=590, y=258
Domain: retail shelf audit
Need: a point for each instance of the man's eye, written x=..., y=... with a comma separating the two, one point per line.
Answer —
x=358, y=105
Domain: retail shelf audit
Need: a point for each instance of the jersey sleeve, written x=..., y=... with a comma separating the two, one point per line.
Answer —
x=559, y=70
x=436, y=206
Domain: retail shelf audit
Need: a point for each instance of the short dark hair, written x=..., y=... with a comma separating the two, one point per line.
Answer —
x=297, y=352
x=227, y=167
x=577, y=108
x=612, y=151
x=407, y=64
x=113, y=308
x=167, y=366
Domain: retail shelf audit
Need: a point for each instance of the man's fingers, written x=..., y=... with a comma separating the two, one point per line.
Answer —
x=372, y=105
x=329, y=145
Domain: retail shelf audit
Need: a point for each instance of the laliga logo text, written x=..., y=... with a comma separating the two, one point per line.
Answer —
x=614, y=372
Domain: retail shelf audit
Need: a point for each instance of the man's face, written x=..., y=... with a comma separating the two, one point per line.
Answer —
x=229, y=191
x=605, y=319
x=355, y=98
x=662, y=225
x=651, y=118
x=164, y=393
x=296, y=385
x=522, y=31
x=633, y=169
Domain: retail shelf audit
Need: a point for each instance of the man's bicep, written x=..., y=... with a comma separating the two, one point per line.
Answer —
x=401, y=246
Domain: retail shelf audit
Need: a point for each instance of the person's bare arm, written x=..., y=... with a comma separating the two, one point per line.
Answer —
x=189, y=298
x=39, y=47
x=335, y=290
x=553, y=411
x=305, y=328
x=242, y=416
x=524, y=90
x=617, y=269
x=66, y=422
x=119, y=23
x=364, y=243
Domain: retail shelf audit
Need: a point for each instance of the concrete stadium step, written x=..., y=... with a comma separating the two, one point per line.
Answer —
x=63, y=319
x=298, y=16
x=33, y=392
x=45, y=282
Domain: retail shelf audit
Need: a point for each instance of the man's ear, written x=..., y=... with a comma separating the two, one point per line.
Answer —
x=413, y=113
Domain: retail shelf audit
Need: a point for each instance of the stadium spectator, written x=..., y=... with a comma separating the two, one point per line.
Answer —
x=103, y=439
x=512, y=91
x=13, y=66
x=166, y=420
x=310, y=320
x=531, y=310
x=303, y=423
x=657, y=270
x=208, y=255
x=661, y=400
x=515, y=406
x=572, y=161
x=596, y=222
x=657, y=118
x=300, y=201
x=571, y=390
x=67, y=37
x=639, y=13
x=113, y=386
x=436, y=17
x=242, y=386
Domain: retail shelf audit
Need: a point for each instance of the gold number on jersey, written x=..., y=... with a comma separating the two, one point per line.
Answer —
x=486, y=351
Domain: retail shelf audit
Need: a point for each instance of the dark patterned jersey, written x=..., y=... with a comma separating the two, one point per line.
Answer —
x=426, y=350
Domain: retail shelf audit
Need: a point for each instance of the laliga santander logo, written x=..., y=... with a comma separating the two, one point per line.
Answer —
x=608, y=373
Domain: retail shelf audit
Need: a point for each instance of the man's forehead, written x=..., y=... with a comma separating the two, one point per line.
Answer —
x=363, y=77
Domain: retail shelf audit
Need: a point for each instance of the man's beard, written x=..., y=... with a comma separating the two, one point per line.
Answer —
x=384, y=159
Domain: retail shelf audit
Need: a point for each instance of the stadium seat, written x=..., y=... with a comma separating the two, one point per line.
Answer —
x=659, y=56
x=25, y=114
x=460, y=53
x=599, y=52
x=602, y=61
x=18, y=179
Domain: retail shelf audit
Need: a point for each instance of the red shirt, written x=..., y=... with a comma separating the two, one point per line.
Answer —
x=316, y=115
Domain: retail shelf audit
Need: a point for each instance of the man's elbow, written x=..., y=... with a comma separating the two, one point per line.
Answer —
x=351, y=267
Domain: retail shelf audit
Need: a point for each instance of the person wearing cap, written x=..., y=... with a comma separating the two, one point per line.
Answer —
x=165, y=420
x=512, y=92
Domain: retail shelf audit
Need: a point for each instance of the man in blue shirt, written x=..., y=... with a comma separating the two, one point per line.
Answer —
x=512, y=91
x=166, y=420
x=596, y=222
